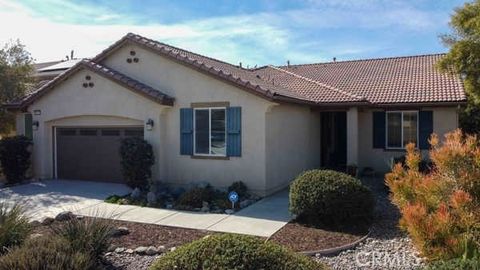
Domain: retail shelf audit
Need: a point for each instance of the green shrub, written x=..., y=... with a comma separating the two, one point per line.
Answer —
x=454, y=264
x=89, y=235
x=330, y=198
x=15, y=158
x=47, y=253
x=229, y=251
x=240, y=188
x=113, y=198
x=137, y=161
x=194, y=197
x=14, y=227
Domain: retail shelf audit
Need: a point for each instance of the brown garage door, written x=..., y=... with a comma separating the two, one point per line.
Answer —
x=91, y=153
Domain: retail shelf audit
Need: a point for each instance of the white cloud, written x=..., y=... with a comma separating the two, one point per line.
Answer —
x=260, y=38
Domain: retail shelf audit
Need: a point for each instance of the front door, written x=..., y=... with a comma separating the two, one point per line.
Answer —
x=334, y=140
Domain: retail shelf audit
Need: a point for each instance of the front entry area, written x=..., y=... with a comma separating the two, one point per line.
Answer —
x=91, y=153
x=334, y=140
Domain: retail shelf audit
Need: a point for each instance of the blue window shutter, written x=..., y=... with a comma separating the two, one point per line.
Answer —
x=186, y=131
x=426, y=128
x=234, y=131
x=379, y=130
x=28, y=126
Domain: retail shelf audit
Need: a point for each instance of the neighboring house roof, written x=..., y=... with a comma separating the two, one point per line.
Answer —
x=62, y=65
x=375, y=82
x=384, y=81
x=109, y=73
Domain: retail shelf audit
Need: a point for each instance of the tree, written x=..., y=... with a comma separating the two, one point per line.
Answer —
x=464, y=58
x=15, y=78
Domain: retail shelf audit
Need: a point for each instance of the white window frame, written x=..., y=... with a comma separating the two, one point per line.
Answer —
x=209, y=131
x=401, y=126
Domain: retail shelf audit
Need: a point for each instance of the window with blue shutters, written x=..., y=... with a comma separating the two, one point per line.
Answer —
x=214, y=131
x=395, y=129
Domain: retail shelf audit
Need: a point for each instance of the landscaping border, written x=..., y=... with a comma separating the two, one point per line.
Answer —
x=335, y=250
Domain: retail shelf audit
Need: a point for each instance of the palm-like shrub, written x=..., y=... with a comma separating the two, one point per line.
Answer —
x=330, y=198
x=15, y=158
x=89, y=235
x=14, y=226
x=137, y=161
x=47, y=253
x=440, y=209
x=229, y=251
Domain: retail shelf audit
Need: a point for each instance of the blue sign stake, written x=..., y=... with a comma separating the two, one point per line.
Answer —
x=233, y=197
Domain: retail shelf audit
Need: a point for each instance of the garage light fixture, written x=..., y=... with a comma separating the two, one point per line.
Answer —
x=35, y=125
x=149, y=124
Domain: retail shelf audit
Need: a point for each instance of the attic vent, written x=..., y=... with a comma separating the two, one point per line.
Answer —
x=132, y=53
x=88, y=82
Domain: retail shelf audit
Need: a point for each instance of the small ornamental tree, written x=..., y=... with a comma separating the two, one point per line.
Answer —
x=440, y=210
x=15, y=158
x=137, y=161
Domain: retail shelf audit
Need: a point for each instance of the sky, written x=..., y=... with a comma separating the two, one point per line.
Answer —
x=254, y=32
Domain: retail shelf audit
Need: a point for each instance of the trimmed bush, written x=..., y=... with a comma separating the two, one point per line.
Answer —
x=463, y=264
x=440, y=209
x=14, y=227
x=89, y=235
x=137, y=161
x=195, y=197
x=330, y=198
x=15, y=158
x=240, y=188
x=47, y=253
x=229, y=251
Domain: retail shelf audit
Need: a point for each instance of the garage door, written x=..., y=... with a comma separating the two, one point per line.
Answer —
x=91, y=153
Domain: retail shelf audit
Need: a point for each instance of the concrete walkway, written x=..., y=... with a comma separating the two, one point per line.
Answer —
x=49, y=198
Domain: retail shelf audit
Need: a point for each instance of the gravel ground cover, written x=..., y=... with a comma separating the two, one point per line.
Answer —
x=387, y=247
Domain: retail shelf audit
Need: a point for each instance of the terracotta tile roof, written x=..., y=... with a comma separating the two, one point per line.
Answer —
x=384, y=81
x=313, y=90
x=241, y=77
x=397, y=80
x=109, y=73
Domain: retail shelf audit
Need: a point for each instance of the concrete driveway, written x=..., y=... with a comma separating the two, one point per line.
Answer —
x=48, y=198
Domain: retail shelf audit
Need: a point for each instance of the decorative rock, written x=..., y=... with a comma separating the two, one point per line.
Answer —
x=172, y=249
x=119, y=250
x=111, y=248
x=65, y=215
x=47, y=221
x=140, y=250
x=151, y=197
x=229, y=211
x=161, y=249
x=129, y=251
x=35, y=223
x=108, y=253
x=120, y=231
x=136, y=193
x=151, y=250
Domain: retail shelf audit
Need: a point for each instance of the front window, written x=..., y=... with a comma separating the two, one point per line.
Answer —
x=209, y=131
x=402, y=129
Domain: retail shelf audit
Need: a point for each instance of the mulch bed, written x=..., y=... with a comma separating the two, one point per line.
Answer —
x=300, y=237
x=146, y=235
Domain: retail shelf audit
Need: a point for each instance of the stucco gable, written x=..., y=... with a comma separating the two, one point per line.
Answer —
x=107, y=73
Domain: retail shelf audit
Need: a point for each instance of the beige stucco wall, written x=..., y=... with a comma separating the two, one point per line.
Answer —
x=70, y=104
x=190, y=86
x=292, y=143
x=445, y=119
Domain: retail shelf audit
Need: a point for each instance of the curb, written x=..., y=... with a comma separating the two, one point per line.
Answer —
x=335, y=250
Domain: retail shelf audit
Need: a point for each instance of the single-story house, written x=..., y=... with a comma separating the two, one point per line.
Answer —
x=212, y=121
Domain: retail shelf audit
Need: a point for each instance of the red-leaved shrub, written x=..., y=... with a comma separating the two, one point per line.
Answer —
x=440, y=210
